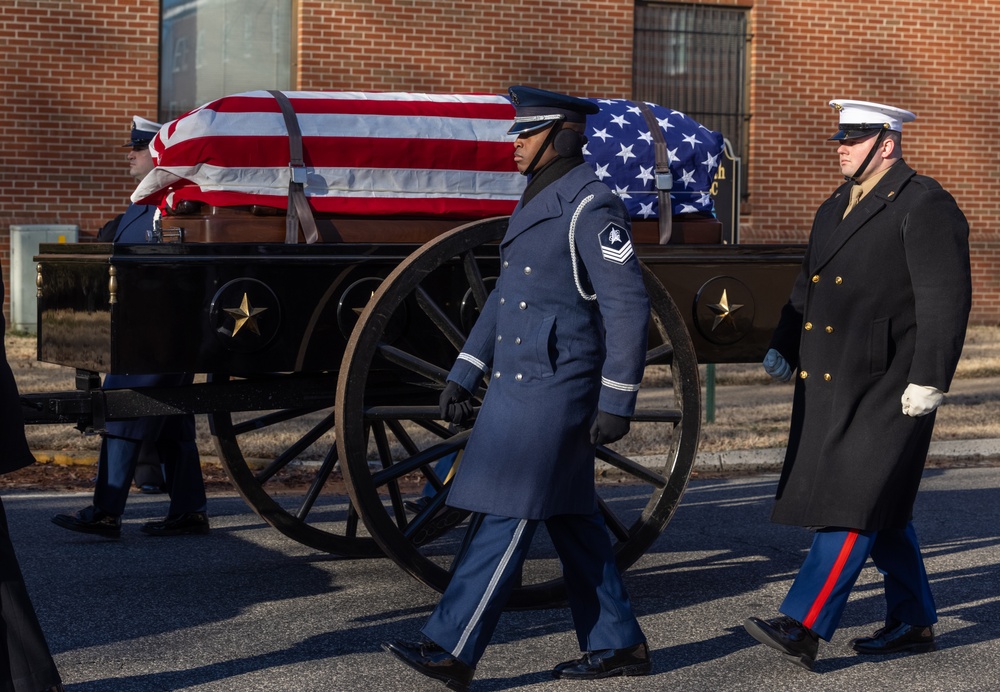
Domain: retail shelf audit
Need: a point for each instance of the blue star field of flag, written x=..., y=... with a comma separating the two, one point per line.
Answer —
x=621, y=150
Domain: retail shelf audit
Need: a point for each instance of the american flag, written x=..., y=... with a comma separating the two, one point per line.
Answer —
x=621, y=150
x=385, y=154
x=365, y=154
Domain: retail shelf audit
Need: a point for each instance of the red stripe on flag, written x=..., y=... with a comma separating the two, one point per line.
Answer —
x=831, y=579
x=342, y=152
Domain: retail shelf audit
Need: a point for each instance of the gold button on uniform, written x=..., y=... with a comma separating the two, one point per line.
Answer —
x=838, y=281
x=815, y=278
x=808, y=326
x=827, y=377
x=829, y=329
x=803, y=374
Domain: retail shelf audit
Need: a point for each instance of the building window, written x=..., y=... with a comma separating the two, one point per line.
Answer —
x=693, y=58
x=239, y=45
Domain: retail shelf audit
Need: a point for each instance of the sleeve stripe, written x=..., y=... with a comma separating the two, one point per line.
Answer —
x=472, y=359
x=620, y=386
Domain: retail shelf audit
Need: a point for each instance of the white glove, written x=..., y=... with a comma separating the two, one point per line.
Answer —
x=776, y=366
x=918, y=400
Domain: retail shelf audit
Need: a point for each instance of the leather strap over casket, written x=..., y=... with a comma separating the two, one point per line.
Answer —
x=299, y=211
x=664, y=179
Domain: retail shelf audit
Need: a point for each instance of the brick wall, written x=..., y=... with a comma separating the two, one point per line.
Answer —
x=583, y=46
x=938, y=60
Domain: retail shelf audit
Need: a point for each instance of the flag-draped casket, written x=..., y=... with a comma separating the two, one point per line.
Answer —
x=408, y=154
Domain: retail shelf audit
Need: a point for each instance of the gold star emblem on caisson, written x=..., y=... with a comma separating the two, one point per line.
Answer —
x=723, y=310
x=724, y=313
x=245, y=316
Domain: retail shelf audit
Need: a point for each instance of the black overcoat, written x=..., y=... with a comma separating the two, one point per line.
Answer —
x=882, y=300
x=25, y=661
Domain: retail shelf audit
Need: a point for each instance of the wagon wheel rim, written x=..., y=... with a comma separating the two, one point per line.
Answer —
x=261, y=478
x=377, y=481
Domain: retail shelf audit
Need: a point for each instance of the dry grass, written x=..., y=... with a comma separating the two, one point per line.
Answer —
x=751, y=411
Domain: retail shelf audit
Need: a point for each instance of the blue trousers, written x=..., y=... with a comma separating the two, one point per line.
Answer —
x=116, y=468
x=819, y=594
x=467, y=614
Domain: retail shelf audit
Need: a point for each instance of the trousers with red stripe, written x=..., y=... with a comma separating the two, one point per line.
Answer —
x=820, y=591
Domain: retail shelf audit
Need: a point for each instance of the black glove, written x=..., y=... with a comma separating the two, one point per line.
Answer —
x=608, y=428
x=455, y=403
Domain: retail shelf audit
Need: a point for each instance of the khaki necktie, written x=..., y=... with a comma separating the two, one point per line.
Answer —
x=856, y=193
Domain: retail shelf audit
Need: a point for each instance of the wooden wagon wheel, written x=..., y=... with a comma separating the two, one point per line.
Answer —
x=282, y=486
x=390, y=438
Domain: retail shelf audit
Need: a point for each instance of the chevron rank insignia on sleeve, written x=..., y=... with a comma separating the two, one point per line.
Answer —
x=616, y=245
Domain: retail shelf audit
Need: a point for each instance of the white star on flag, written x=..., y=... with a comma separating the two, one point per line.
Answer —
x=645, y=174
x=626, y=153
x=692, y=139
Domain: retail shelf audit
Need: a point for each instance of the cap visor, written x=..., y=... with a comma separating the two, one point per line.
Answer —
x=521, y=128
x=853, y=134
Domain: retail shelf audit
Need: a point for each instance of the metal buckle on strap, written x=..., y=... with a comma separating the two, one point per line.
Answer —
x=299, y=173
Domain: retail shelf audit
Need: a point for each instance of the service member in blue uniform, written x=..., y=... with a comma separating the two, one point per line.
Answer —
x=26, y=663
x=172, y=436
x=563, y=340
x=873, y=332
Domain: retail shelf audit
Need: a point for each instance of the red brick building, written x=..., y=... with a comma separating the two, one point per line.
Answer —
x=72, y=74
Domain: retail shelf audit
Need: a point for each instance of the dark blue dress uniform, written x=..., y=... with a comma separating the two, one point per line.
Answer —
x=562, y=335
x=131, y=227
x=25, y=660
x=174, y=435
x=553, y=355
x=882, y=301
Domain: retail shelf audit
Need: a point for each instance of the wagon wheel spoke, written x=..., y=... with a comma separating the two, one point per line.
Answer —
x=317, y=484
x=617, y=527
x=272, y=418
x=475, y=279
x=413, y=363
x=440, y=318
x=290, y=454
x=385, y=457
x=660, y=355
x=633, y=468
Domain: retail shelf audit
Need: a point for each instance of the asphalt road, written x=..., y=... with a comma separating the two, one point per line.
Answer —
x=247, y=609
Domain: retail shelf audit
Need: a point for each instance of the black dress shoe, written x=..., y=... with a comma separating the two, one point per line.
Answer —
x=797, y=642
x=895, y=637
x=182, y=524
x=607, y=663
x=91, y=520
x=434, y=662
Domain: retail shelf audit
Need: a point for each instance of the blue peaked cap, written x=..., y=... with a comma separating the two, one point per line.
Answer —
x=537, y=108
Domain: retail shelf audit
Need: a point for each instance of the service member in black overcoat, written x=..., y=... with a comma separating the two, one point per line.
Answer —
x=874, y=330
x=26, y=664
x=171, y=437
x=563, y=340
